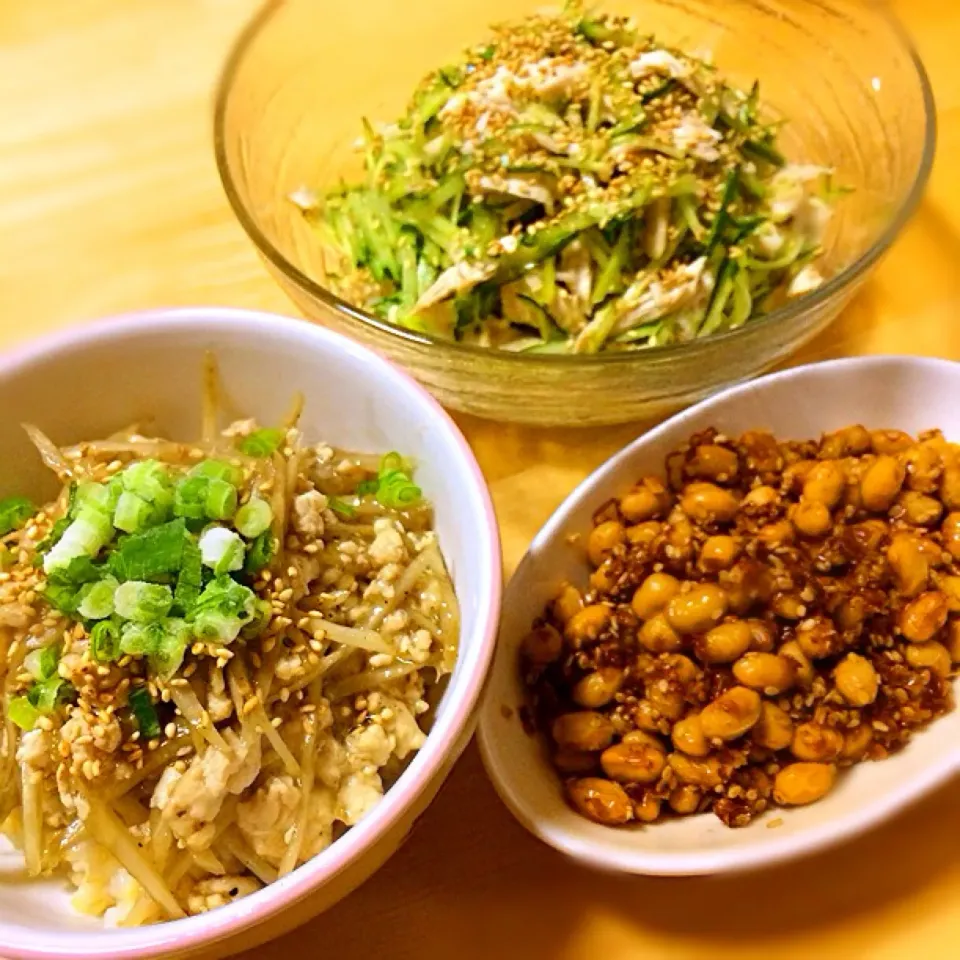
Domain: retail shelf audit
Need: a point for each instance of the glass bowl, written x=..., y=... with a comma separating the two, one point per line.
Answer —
x=303, y=74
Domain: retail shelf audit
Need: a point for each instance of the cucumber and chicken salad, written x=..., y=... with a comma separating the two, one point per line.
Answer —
x=573, y=186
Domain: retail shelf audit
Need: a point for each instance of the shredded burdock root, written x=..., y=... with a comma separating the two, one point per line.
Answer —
x=570, y=186
x=768, y=614
x=215, y=658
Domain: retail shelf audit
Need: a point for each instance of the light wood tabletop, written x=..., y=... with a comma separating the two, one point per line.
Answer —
x=110, y=201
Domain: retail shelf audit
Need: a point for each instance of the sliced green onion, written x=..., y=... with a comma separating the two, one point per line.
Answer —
x=96, y=600
x=61, y=596
x=100, y=496
x=341, y=507
x=259, y=621
x=154, y=552
x=42, y=664
x=47, y=695
x=189, y=579
x=221, y=549
x=77, y=572
x=261, y=443
x=393, y=487
x=56, y=533
x=84, y=537
x=365, y=487
x=217, y=470
x=221, y=500
x=49, y=658
x=141, y=639
x=260, y=553
x=14, y=513
x=144, y=713
x=23, y=713
x=392, y=461
x=190, y=498
x=149, y=480
x=142, y=602
x=105, y=642
x=398, y=491
x=253, y=518
x=133, y=513
x=167, y=657
x=31, y=663
x=213, y=626
x=222, y=610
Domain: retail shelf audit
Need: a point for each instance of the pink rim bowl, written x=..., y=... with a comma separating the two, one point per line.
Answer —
x=87, y=381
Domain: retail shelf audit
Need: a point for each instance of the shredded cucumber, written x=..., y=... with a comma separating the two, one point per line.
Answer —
x=516, y=206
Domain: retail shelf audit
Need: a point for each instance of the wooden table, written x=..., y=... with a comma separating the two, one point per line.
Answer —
x=109, y=201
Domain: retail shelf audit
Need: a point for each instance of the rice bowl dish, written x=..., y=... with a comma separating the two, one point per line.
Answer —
x=217, y=658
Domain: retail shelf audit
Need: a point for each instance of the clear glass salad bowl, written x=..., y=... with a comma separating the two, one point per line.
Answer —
x=842, y=72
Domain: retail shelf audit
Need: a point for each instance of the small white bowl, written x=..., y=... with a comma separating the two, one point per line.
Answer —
x=90, y=381
x=908, y=393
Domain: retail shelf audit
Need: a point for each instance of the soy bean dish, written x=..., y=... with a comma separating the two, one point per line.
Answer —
x=763, y=616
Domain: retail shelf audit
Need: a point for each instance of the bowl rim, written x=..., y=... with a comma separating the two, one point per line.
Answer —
x=651, y=862
x=448, y=735
x=812, y=301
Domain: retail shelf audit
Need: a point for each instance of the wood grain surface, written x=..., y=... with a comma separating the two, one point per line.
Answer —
x=110, y=201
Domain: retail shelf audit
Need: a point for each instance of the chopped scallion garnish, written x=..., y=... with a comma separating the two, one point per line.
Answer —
x=217, y=470
x=42, y=663
x=86, y=536
x=253, y=518
x=189, y=579
x=141, y=639
x=144, y=713
x=190, y=498
x=221, y=500
x=105, y=642
x=142, y=602
x=221, y=611
x=261, y=443
x=14, y=513
x=46, y=695
x=151, y=481
x=222, y=550
x=260, y=553
x=150, y=554
x=132, y=513
x=341, y=507
x=397, y=491
x=168, y=654
x=23, y=713
x=96, y=600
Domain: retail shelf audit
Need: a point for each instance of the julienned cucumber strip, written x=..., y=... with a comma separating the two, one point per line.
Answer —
x=544, y=179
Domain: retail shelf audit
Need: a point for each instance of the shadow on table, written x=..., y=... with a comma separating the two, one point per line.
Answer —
x=472, y=885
